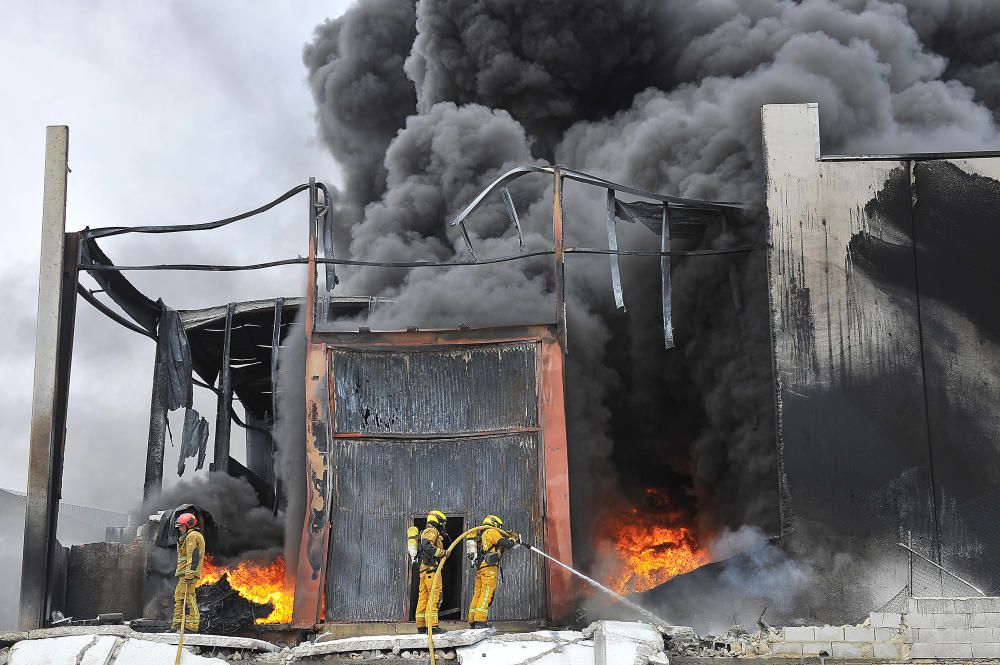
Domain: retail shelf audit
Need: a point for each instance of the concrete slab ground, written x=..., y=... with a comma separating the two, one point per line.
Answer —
x=100, y=650
x=190, y=639
x=511, y=652
x=210, y=641
x=396, y=643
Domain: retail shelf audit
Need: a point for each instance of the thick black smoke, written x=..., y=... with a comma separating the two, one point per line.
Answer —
x=363, y=96
x=663, y=96
x=244, y=527
x=290, y=436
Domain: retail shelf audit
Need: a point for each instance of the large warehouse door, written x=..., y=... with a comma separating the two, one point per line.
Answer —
x=456, y=429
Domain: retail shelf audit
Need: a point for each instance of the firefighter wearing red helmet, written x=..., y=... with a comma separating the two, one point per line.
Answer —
x=190, y=560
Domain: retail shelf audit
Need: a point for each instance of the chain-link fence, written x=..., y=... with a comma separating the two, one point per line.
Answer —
x=927, y=579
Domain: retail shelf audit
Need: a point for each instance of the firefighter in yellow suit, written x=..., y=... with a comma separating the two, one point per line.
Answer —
x=429, y=553
x=492, y=543
x=190, y=560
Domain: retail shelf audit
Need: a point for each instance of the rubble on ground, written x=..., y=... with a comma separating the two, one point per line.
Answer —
x=601, y=643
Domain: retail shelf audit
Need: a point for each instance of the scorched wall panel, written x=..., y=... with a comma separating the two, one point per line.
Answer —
x=459, y=389
x=382, y=484
x=853, y=436
x=957, y=231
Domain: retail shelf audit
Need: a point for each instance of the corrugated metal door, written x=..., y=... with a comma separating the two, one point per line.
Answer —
x=470, y=447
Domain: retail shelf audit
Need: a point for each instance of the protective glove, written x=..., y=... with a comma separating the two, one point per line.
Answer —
x=190, y=577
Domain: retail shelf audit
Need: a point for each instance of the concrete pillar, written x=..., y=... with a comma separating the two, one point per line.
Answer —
x=53, y=353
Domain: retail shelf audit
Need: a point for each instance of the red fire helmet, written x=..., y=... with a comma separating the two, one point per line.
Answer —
x=188, y=520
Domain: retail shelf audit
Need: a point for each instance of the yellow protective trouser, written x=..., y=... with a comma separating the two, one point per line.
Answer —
x=193, y=618
x=482, y=594
x=427, y=603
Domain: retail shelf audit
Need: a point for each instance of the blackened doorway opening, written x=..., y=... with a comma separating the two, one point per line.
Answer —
x=452, y=606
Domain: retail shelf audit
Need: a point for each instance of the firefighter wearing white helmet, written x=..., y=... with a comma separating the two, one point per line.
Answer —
x=492, y=543
x=429, y=553
x=190, y=560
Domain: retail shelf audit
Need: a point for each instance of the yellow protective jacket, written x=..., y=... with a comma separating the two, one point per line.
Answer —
x=491, y=541
x=430, y=550
x=190, y=555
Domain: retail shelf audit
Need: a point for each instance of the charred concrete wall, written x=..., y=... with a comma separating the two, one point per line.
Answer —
x=887, y=358
x=106, y=577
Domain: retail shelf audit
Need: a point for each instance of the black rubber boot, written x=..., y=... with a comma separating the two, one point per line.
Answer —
x=422, y=630
x=438, y=631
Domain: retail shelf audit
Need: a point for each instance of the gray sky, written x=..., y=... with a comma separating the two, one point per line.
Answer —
x=179, y=112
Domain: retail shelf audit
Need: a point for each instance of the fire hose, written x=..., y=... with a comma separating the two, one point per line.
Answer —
x=180, y=639
x=436, y=583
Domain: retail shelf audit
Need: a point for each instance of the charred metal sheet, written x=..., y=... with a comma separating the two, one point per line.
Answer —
x=260, y=447
x=111, y=314
x=133, y=302
x=382, y=484
x=279, y=306
x=481, y=388
x=468, y=242
x=616, y=274
x=559, y=255
x=685, y=223
x=175, y=353
x=508, y=202
x=311, y=569
x=326, y=210
x=156, y=438
x=194, y=439
x=262, y=488
x=668, y=326
x=220, y=460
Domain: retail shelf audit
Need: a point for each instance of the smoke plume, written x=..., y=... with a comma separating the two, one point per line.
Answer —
x=290, y=436
x=431, y=105
x=243, y=525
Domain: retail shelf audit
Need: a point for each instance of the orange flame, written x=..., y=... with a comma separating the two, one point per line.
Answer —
x=259, y=582
x=650, y=548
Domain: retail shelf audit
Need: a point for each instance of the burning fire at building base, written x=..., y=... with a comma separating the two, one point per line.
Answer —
x=649, y=545
x=262, y=583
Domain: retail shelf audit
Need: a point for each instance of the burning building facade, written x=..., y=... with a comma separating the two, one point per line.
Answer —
x=393, y=422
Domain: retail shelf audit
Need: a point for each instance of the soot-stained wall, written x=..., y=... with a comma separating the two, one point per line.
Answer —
x=887, y=360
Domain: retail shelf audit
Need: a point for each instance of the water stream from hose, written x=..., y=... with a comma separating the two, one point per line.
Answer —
x=655, y=620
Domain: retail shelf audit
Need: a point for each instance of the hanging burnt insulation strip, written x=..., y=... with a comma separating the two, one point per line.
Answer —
x=110, y=313
x=225, y=401
x=279, y=307
x=508, y=202
x=175, y=354
x=194, y=440
x=668, y=326
x=180, y=228
x=468, y=242
x=139, y=307
x=616, y=274
x=331, y=268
